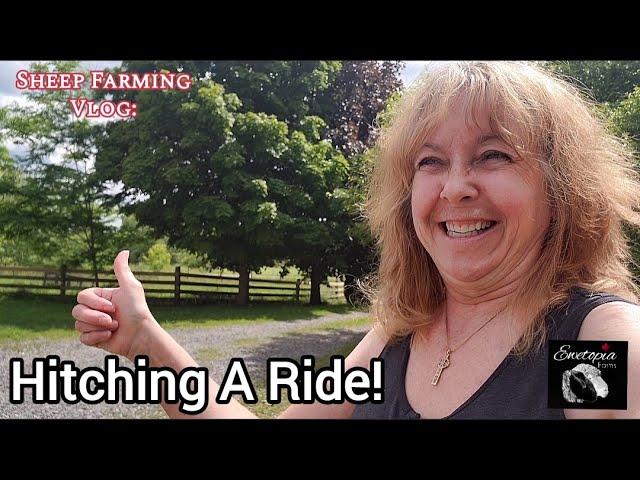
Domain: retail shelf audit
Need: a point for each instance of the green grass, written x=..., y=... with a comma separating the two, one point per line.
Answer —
x=35, y=317
x=341, y=324
x=208, y=354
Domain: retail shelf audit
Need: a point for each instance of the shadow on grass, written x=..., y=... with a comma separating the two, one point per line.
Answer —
x=41, y=313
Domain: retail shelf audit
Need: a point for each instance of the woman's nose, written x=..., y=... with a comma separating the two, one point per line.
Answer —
x=458, y=186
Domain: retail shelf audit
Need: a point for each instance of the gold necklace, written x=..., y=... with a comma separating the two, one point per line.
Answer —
x=445, y=360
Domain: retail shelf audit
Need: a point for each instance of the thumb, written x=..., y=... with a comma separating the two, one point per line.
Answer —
x=124, y=275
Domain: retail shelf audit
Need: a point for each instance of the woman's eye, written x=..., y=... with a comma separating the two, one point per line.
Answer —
x=495, y=155
x=429, y=161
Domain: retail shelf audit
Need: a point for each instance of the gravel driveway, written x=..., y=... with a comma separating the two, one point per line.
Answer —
x=212, y=347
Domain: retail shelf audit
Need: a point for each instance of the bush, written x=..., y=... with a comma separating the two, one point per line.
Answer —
x=158, y=256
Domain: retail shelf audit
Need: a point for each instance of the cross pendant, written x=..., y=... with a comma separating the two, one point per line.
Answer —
x=442, y=364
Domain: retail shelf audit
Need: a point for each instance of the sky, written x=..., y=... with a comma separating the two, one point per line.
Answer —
x=9, y=93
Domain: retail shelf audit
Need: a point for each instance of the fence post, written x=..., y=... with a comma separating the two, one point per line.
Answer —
x=63, y=280
x=298, y=290
x=176, y=292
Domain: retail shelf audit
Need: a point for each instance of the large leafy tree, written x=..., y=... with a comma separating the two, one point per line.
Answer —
x=233, y=169
x=327, y=236
x=201, y=170
x=315, y=206
x=9, y=178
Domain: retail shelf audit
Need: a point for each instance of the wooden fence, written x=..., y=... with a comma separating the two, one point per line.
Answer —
x=177, y=285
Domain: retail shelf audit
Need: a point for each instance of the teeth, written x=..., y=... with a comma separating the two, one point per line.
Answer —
x=457, y=229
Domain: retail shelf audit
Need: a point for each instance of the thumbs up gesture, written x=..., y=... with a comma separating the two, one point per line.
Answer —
x=114, y=319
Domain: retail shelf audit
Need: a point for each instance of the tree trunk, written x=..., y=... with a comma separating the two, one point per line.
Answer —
x=243, y=290
x=94, y=267
x=316, y=280
x=93, y=254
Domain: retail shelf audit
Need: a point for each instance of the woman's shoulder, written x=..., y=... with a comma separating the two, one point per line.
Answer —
x=581, y=294
x=616, y=317
x=371, y=346
x=604, y=309
x=599, y=314
x=617, y=320
x=583, y=305
x=392, y=349
x=567, y=318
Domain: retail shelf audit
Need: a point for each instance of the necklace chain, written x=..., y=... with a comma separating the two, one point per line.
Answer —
x=445, y=361
x=446, y=323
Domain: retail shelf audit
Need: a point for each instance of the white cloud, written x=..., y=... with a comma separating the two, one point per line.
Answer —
x=8, y=70
x=17, y=150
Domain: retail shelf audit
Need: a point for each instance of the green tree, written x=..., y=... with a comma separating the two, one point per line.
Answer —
x=200, y=167
x=58, y=204
x=607, y=81
x=132, y=236
x=21, y=242
x=217, y=177
x=354, y=107
x=353, y=100
x=626, y=118
x=9, y=177
x=316, y=206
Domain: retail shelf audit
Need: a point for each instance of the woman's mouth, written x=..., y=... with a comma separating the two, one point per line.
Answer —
x=466, y=229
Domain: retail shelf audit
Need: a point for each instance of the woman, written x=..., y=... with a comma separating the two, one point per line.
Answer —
x=498, y=202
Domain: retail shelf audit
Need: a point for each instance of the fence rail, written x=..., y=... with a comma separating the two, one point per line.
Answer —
x=180, y=285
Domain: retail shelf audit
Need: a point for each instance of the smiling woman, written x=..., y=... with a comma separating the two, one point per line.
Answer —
x=498, y=203
x=473, y=198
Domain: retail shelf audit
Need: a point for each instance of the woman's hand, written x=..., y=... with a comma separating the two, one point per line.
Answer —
x=117, y=320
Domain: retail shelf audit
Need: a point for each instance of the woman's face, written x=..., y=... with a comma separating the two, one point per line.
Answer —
x=478, y=209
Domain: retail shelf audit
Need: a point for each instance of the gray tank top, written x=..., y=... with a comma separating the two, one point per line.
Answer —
x=517, y=388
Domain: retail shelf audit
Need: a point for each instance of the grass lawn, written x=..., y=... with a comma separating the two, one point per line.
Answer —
x=33, y=317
